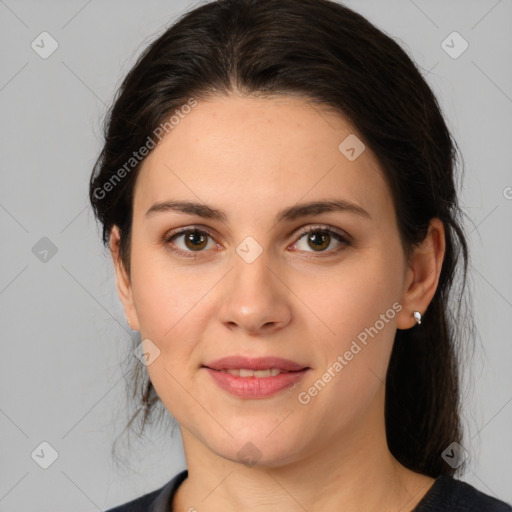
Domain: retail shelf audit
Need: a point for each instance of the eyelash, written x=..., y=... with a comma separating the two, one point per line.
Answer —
x=345, y=242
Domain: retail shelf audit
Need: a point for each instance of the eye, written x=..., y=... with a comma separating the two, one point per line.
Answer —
x=319, y=238
x=193, y=240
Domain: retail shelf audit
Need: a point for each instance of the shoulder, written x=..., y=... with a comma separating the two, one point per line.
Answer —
x=154, y=501
x=450, y=494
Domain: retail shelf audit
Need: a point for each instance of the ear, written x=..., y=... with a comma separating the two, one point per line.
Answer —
x=124, y=288
x=422, y=275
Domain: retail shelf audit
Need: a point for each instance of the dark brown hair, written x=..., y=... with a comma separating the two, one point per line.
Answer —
x=326, y=53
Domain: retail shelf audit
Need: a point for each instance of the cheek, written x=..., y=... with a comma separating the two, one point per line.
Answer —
x=164, y=295
x=170, y=312
x=355, y=311
x=354, y=360
x=351, y=298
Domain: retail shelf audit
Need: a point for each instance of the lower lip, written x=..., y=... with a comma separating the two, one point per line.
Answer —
x=255, y=387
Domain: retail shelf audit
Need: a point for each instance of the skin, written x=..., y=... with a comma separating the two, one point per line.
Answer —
x=253, y=157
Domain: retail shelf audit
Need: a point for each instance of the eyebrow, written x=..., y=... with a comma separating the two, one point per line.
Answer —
x=288, y=214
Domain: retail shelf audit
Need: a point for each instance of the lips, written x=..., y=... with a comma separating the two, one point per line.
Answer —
x=255, y=387
x=252, y=363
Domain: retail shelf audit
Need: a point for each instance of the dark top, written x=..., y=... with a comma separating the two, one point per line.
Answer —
x=446, y=495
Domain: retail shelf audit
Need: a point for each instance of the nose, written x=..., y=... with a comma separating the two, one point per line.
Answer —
x=255, y=299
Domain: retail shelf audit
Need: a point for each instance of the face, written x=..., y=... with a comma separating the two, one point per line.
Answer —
x=256, y=284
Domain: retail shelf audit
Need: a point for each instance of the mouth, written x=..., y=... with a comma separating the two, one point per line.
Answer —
x=251, y=378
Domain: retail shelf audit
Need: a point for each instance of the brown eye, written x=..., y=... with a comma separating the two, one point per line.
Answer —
x=194, y=241
x=319, y=239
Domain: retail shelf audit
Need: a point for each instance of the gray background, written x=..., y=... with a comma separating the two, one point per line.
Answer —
x=63, y=329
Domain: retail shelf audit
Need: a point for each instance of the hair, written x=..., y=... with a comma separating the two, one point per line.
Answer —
x=325, y=53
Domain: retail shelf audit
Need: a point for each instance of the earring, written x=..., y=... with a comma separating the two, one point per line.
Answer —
x=417, y=317
x=129, y=324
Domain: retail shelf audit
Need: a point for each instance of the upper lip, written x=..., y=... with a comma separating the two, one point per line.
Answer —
x=254, y=363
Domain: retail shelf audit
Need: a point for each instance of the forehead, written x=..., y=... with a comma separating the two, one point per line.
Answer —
x=260, y=152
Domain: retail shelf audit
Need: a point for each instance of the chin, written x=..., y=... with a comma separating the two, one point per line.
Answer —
x=255, y=449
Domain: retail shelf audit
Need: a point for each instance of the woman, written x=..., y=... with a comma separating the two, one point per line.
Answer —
x=277, y=191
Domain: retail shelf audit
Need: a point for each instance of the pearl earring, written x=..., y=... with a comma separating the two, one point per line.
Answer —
x=417, y=317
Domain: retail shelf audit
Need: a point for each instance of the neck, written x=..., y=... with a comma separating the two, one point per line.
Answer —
x=351, y=471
